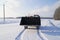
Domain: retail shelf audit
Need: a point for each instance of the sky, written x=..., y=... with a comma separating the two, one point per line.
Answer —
x=17, y=8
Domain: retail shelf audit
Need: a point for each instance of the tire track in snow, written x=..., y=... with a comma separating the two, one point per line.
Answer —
x=19, y=35
x=41, y=35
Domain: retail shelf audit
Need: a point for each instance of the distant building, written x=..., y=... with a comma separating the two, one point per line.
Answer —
x=57, y=14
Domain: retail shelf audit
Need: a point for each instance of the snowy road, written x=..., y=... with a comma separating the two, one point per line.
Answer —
x=10, y=32
x=16, y=32
x=31, y=34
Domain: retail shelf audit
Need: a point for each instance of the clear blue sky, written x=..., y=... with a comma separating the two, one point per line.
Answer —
x=36, y=3
x=21, y=7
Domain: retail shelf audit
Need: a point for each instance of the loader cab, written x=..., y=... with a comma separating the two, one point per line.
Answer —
x=31, y=21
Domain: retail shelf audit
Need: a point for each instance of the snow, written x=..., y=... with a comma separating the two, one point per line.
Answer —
x=9, y=21
x=11, y=30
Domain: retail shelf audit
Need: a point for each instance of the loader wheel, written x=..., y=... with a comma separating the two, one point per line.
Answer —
x=26, y=27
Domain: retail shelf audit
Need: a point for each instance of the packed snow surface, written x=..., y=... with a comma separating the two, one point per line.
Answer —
x=11, y=30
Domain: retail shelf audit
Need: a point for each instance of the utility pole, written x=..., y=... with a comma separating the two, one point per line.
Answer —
x=4, y=13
